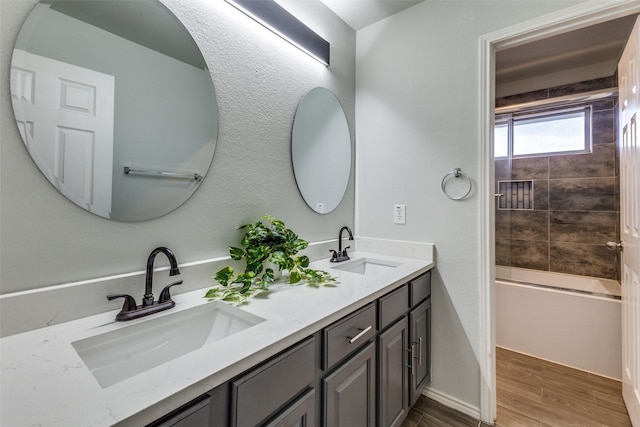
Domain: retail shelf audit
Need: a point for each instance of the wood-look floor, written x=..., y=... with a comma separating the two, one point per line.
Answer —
x=535, y=393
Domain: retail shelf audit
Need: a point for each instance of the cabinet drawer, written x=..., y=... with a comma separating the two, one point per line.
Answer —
x=260, y=393
x=348, y=334
x=420, y=288
x=392, y=306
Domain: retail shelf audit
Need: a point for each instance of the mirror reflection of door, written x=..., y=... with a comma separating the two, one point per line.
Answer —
x=65, y=116
x=162, y=115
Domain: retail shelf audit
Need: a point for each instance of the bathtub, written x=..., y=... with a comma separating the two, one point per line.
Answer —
x=571, y=320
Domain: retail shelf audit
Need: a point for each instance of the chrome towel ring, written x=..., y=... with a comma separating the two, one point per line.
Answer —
x=456, y=173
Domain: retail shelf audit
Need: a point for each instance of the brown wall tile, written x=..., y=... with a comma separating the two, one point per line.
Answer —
x=503, y=224
x=586, y=86
x=599, y=163
x=604, y=104
x=530, y=168
x=602, y=127
x=503, y=252
x=521, y=98
x=530, y=254
x=582, y=227
x=585, y=194
x=530, y=225
x=502, y=169
x=541, y=194
x=583, y=260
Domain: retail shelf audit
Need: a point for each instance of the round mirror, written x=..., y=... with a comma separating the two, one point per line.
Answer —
x=115, y=104
x=321, y=150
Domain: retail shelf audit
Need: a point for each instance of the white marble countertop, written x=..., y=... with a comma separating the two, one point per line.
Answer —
x=45, y=383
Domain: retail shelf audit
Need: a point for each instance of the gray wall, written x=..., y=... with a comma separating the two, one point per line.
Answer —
x=576, y=205
x=417, y=119
x=259, y=80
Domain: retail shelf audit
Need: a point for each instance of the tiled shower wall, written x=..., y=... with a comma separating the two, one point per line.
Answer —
x=576, y=201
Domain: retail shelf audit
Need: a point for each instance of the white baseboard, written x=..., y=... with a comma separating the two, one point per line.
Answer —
x=452, y=402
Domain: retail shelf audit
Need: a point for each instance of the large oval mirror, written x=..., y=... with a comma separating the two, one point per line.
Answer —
x=321, y=150
x=115, y=104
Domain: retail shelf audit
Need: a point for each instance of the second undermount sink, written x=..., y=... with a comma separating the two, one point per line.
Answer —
x=366, y=266
x=120, y=354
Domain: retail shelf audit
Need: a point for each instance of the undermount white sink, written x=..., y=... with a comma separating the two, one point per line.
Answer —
x=122, y=353
x=366, y=266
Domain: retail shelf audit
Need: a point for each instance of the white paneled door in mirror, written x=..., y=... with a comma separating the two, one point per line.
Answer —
x=65, y=116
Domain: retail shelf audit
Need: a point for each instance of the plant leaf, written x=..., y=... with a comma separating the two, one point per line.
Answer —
x=223, y=276
x=294, y=276
x=236, y=253
x=212, y=293
x=303, y=261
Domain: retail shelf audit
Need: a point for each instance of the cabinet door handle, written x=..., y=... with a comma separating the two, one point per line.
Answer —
x=362, y=332
x=420, y=351
x=410, y=366
x=412, y=358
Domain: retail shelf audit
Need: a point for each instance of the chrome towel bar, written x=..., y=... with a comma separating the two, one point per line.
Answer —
x=160, y=174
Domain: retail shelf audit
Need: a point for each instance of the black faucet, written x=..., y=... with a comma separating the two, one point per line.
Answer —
x=341, y=254
x=130, y=310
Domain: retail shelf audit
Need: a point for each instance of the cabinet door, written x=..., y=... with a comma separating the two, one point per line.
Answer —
x=349, y=392
x=301, y=413
x=393, y=374
x=420, y=328
x=260, y=393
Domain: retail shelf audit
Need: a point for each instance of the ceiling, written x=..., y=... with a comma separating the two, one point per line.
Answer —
x=598, y=44
x=594, y=50
x=360, y=13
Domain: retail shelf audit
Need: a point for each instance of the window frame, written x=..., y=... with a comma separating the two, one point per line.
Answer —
x=511, y=119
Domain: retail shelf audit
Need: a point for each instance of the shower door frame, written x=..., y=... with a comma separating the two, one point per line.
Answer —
x=582, y=15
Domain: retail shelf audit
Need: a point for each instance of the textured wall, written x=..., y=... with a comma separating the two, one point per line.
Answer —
x=259, y=80
x=576, y=205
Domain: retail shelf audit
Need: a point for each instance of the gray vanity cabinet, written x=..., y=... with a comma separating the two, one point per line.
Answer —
x=404, y=319
x=420, y=331
x=349, y=392
x=345, y=375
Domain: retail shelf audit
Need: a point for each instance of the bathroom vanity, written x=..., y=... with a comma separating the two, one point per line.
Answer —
x=377, y=354
x=304, y=352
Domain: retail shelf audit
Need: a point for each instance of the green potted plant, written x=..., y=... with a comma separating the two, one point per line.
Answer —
x=266, y=244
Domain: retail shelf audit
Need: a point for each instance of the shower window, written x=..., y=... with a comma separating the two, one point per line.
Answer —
x=566, y=131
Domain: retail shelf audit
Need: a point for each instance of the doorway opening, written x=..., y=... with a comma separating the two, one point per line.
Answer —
x=572, y=19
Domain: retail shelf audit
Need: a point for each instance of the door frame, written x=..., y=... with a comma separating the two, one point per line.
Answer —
x=572, y=18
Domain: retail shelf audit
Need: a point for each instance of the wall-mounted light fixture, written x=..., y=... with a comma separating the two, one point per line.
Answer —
x=277, y=19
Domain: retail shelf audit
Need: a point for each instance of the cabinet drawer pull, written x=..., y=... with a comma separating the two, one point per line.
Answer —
x=362, y=332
